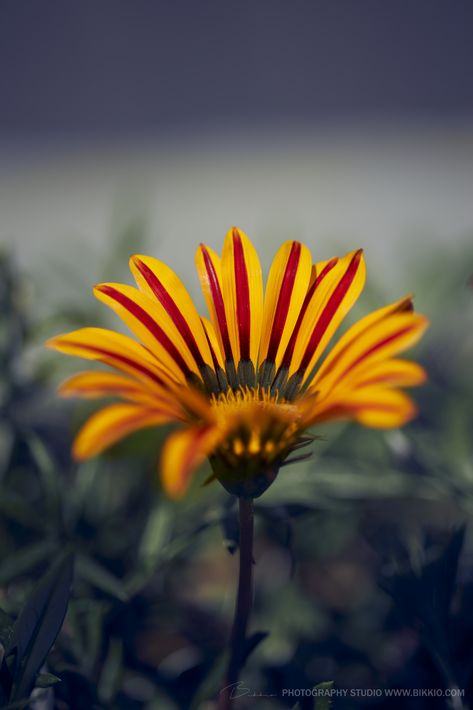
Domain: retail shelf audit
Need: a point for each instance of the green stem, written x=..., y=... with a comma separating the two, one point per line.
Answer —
x=243, y=605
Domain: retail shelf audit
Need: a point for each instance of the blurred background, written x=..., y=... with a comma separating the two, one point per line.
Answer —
x=149, y=127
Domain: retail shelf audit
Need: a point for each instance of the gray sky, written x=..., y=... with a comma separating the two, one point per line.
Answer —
x=344, y=123
x=103, y=70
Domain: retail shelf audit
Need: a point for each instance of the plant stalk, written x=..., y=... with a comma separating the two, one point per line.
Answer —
x=244, y=602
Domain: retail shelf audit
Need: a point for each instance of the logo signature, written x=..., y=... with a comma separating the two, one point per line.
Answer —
x=239, y=690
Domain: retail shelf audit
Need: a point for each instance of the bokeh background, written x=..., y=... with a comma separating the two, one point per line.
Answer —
x=149, y=127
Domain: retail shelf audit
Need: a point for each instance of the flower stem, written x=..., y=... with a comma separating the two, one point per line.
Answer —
x=243, y=605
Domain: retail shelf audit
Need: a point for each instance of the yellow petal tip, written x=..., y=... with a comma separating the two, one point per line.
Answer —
x=51, y=343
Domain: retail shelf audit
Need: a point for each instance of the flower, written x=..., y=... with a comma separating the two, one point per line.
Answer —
x=246, y=385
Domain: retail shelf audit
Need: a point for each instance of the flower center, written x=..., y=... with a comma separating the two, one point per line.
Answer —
x=245, y=399
x=261, y=431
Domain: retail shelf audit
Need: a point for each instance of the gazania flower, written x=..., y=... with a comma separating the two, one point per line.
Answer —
x=245, y=385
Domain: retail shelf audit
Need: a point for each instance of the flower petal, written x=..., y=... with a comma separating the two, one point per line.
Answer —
x=327, y=308
x=212, y=339
x=242, y=287
x=109, y=425
x=208, y=265
x=390, y=373
x=114, y=349
x=218, y=364
x=286, y=289
x=94, y=384
x=403, y=305
x=319, y=274
x=383, y=339
x=377, y=407
x=160, y=282
x=150, y=322
x=184, y=451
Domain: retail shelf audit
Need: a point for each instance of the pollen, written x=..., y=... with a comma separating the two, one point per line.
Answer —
x=238, y=447
x=255, y=444
x=245, y=399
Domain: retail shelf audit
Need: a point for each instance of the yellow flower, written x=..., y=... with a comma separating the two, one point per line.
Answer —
x=245, y=385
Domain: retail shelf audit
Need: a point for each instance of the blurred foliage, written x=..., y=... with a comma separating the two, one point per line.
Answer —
x=363, y=554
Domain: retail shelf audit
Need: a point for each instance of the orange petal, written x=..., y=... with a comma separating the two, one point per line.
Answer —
x=94, y=384
x=109, y=425
x=184, y=451
x=318, y=280
x=114, y=349
x=209, y=268
x=160, y=282
x=327, y=307
x=377, y=407
x=390, y=373
x=288, y=281
x=242, y=287
x=150, y=322
x=403, y=305
x=379, y=342
x=215, y=349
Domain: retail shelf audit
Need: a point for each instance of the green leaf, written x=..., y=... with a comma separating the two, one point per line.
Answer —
x=6, y=628
x=46, y=680
x=86, y=619
x=14, y=507
x=101, y=578
x=48, y=472
x=211, y=682
x=24, y=561
x=38, y=625
x=252, y=643
x=110, y=676
x=156, y=535
x=325, y=701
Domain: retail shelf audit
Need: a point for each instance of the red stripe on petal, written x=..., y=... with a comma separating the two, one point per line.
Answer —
x=284, y=299
x=379, y=380
x=242, y=294
x=292, y=342
x=148, y=322
x=215, y=361
x=405, y=306
x=126, y=361
x=172, y=309
x=109, y=387
x=380, y=344
x=320, y=277
x=218, y=302
x=330, y=309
